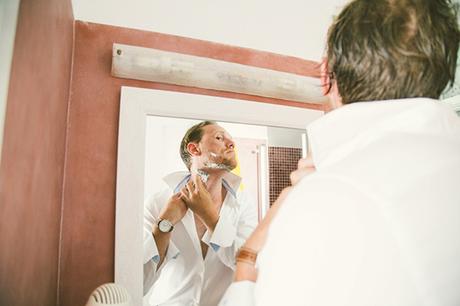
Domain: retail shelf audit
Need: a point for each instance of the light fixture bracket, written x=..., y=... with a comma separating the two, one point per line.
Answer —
x=155, y=65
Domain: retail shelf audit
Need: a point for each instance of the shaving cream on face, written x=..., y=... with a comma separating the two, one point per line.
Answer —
x=217, y=166
x=204, y=176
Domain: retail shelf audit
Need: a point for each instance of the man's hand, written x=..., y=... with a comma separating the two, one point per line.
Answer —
x=199, y=200
x=174, y=210
x=305, y=167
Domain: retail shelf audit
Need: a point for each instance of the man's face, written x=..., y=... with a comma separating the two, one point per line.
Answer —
x=217, y=149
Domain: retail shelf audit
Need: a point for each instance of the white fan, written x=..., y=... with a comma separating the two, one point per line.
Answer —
x=109, y=294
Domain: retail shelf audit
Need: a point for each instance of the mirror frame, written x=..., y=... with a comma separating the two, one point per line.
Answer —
x=135, y=105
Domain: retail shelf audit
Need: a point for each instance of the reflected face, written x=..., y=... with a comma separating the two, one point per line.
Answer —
x=217, y=149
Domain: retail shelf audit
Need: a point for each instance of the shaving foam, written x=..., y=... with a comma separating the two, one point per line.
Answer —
x=204, y=176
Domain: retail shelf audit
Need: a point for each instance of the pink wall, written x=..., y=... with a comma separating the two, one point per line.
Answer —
x=32, y=168
x=48, y=160
x=89, y=193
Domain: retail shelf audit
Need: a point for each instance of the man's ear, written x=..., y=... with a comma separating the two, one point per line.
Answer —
x=193, y=149
x=329, y=86
x=324, y=77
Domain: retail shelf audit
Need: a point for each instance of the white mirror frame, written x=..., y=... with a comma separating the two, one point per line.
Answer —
x=136, y=104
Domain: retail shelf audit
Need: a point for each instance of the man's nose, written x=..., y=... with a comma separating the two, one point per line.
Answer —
x=230, y=144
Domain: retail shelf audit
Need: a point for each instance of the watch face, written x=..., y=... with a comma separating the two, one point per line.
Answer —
x=165, y=226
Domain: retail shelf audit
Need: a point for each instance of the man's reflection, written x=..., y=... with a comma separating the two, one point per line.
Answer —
x=193, y=229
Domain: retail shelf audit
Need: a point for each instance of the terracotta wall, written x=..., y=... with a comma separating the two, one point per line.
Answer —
x=90, y=176
x=31, y=173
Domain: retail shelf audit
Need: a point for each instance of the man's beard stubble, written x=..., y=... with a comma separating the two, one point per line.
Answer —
x=220, y=163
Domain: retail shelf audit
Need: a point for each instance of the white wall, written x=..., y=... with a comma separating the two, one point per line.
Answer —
x=291, y=27
x=282, y=137
x=8, y=18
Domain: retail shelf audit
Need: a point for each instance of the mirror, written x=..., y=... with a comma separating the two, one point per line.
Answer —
x=261, y=153
x=142, y=114
x=170, y=279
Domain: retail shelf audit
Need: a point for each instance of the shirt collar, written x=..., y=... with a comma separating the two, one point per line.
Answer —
x=177, y=180
x=353, y=126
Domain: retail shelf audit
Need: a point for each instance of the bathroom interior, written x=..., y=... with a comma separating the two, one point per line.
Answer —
x=60, y=121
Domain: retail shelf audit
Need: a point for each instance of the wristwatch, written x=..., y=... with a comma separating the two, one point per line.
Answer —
x=165, y=226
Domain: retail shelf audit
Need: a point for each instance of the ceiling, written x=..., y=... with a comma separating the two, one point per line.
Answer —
x=291, y=27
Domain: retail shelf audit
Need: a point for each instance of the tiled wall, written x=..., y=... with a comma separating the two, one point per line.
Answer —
x=281, y=162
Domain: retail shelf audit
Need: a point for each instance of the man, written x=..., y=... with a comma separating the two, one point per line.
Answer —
x=378, y=223
x=193, y=229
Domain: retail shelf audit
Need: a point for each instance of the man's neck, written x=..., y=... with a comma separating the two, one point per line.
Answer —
x=213, y=183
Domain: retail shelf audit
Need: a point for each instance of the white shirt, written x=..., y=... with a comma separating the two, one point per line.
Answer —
x=184, y=278
x=378, y=223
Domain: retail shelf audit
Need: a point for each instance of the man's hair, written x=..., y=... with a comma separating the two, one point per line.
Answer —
x=193, y=134
x=393, y=49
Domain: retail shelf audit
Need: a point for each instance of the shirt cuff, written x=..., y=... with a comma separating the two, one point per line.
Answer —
x=239, y=294
x=172, y=251
x=150, y=247
x=151, y=250
x=223, y=235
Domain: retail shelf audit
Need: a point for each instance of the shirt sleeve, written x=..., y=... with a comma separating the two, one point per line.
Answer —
x=239, y=294
x=151, y=255
x=236, y=222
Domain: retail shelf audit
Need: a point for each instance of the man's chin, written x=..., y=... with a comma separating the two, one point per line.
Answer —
x=226, y=165
x=232, y=167
x=230, y=164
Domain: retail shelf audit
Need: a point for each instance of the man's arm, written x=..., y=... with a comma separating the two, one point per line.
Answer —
x=173, y=211
x=162, y=242
x=256, y=241
x=241, y=291
x=157, y=245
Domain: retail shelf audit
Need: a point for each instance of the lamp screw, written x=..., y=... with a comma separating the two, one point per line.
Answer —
x=119, y=51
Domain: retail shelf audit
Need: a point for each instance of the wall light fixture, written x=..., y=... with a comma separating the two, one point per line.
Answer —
x=148, y=64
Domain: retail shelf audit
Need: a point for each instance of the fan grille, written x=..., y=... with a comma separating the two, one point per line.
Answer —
x=110, y=294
